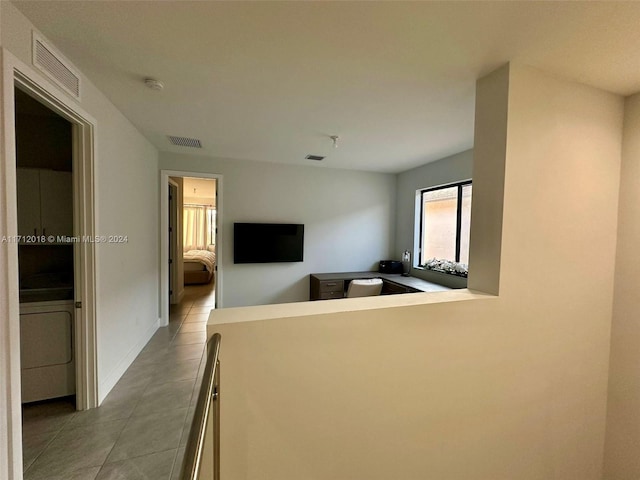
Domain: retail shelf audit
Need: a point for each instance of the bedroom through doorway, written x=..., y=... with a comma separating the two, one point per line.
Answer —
x=192, y=243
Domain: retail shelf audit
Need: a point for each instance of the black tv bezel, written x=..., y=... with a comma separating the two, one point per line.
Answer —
x=245, y=259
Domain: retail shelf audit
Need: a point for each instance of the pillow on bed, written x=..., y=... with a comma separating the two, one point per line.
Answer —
x=211, y=248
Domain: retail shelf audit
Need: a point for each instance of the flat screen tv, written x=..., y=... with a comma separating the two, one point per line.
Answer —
x=267, y=242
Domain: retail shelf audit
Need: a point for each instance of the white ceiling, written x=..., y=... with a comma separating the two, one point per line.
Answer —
x=272, y=81
x=199, y=188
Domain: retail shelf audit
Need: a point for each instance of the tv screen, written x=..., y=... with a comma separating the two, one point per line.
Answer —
x=267, y=242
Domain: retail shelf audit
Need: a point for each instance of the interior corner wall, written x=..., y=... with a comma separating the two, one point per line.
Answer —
x=451, y=169
x=348, y=219
x=622, y=447
x=126, y=199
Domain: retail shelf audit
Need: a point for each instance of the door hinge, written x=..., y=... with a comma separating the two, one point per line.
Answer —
x=170, y=261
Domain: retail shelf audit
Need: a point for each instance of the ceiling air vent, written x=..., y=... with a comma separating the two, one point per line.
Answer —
x=185, y=142
x=55, y=66
x=314, y=157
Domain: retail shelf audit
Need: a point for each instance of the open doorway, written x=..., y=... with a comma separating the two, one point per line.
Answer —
x=191, y=244
x=176, y=287
x=47, y=353
x=44, y=184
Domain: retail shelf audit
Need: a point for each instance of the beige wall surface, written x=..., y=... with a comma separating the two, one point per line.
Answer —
x=622, y=454
x=510, y=387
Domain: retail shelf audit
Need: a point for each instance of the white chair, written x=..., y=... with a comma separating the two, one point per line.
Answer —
x=365, y=287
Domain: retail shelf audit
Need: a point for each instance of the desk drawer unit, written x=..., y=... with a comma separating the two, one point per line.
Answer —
x=324, y=286
x=331, y=286
x=331, y=294
x=326, y=289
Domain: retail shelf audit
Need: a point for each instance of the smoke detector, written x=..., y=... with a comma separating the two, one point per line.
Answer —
x=153, y=84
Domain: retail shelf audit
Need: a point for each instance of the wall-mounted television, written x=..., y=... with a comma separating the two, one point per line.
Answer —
x=267, y=242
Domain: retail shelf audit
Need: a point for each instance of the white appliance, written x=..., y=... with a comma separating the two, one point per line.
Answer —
x=47, y=350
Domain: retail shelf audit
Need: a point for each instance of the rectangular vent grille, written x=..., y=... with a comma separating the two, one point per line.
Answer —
x=185, y=142
x=56, y=68
x=314, y=157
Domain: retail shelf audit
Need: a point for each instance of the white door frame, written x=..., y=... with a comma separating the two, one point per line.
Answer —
x=164, y=242
x=16, y=73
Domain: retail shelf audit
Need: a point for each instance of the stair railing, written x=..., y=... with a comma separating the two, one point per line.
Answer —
x=208, y=404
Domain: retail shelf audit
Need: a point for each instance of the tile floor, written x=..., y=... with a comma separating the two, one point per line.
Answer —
x=140, y=430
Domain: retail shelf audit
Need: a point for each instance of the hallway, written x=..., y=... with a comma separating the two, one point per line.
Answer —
x=140, y=430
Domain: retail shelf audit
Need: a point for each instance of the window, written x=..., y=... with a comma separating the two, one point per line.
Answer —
x=445, y=219
x=199, y=227
x=211, y=226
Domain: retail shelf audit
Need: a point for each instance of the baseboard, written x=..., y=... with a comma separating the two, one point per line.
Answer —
x=116, y=374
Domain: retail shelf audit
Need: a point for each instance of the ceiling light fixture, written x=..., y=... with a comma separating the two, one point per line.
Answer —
x=335, y=140
x=153, y=84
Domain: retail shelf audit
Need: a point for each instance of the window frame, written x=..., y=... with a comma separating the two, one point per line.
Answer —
x=210, y=212
x=459, y=186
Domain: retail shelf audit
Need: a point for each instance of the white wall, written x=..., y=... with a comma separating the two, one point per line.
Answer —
x=348, y=218
x=126, y=204
x=622, y=454
x=511, y=387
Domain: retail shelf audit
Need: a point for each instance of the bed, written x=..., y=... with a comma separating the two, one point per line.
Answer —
x=199, y=266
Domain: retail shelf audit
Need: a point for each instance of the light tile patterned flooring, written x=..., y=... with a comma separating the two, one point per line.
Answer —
x=140, y=430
